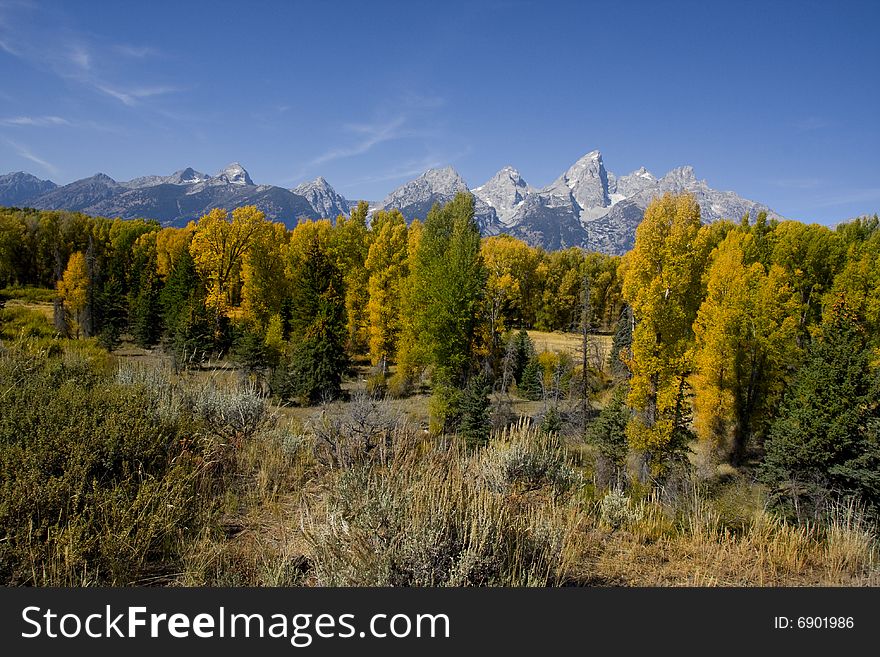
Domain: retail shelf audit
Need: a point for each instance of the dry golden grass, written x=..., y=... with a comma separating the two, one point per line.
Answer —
x=429, y=512
x=569, y=343
x=700, y=551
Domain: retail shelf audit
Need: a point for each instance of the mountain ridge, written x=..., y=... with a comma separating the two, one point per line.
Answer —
x=586, y=206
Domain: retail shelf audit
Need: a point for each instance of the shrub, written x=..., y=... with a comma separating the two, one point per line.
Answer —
x=97, y=487
x=423, y=522
x=616, y=510
x=521, y=460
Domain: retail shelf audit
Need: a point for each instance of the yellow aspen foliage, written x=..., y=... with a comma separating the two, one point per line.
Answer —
x=274, y=339
x=218, y=248
x=858, y=284
x=662, y=284
x=305, y=234
x=170, y=244
x=73, y=288
x=561, y=274
x=745, y=335
x=386, y=268
x=351, y=243
x=810, y=255
x=146, y=243
x=264, y=279
x=407, y=346
x=511, y=266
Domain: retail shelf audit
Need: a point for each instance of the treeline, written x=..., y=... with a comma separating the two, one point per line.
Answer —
x=755, y=343
x=301, y=303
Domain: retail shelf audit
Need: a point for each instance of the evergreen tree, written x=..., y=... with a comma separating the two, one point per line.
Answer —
x=444, y=292
x=145, y=310
x=621, y=345
x=552, y=420
x=319, y=330
x=183, y=281
x=251, y=353
x=145, y=319
x=608, y=434
x=110, y=312
x=825, y=441
x=531, y=384
x=191, y=337
x=188, y=326
x=474, y=410
x=524, y=351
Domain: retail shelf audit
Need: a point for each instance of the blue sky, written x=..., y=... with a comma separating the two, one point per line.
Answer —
x=779, y=101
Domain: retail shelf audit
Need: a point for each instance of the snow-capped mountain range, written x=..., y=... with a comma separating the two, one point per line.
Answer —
x=586, y=206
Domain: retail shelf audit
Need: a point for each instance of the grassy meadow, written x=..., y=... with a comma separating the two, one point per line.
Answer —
x=119, y=471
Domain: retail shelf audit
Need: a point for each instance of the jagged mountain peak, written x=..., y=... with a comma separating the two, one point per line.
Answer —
x=636, y=182
x=18, y=188
x=505, y=191
x=318, y=183
x=187, y=176
x=22, y=176
x=443, y=177
x=586, y=181
x=323, y=198
x=592, y=156
x=586, y=206
x=684, y=173
x=415, y=198
x=235, y=174
x=506, y=175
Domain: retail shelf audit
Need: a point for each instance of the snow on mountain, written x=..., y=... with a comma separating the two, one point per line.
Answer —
x=505, y=192
x=325, y=201
x=415, y=198
x=591, y=207
x=587, y=183
x=586, y=206
x=234, y=174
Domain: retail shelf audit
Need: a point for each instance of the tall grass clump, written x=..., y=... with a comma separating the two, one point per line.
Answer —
x=428, y=518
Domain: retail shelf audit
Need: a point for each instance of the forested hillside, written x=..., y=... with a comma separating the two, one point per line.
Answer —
x=720, y=397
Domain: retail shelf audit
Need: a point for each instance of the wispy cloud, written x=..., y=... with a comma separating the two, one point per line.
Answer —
x=26, y=153
x=131, y=97
x=56, y=121
x=47, y=41
x=372, y=134
x=36, y=121
x=5, y=46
